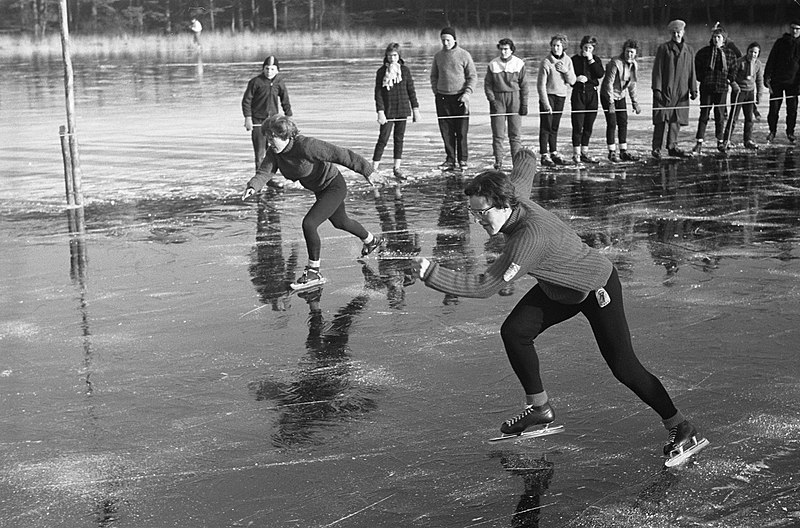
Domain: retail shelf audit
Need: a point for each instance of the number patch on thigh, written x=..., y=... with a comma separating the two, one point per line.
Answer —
x=603, y=298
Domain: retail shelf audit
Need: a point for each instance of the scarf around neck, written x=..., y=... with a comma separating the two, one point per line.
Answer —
x=393, y=75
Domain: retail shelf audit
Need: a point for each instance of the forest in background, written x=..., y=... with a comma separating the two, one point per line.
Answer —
x=38, y=18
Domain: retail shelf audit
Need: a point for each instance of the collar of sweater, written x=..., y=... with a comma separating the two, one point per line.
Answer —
x=289, y=146
x=518, y=214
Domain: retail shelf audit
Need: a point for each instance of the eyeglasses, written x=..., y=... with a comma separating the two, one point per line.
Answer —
x=479, y=212
x=794, y=28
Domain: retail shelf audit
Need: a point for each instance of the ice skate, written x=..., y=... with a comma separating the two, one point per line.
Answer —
x=368, y=248
x=683, y=443
x=530, y=417
x=311, y=278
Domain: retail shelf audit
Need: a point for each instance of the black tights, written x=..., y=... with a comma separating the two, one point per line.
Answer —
x=535, y=312
x=329, y=206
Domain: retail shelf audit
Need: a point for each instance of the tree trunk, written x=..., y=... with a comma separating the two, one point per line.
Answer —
x=211, y=11
x=343, y=14
x=311, y=15
x=275, y=15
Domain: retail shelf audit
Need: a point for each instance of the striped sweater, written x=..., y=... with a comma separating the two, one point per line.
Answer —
x=538, y=243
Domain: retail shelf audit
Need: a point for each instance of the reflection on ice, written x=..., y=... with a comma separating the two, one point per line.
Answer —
x=325, y=388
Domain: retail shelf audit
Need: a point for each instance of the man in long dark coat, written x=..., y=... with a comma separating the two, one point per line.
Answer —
x=674, y=83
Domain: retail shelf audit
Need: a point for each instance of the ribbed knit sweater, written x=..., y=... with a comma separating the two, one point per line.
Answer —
x=538, y=243
x=551, y=81
x=309, y=161
x=453, y=72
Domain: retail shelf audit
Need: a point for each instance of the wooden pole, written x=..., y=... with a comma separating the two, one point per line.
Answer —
x=62, y=134
x=72, y=139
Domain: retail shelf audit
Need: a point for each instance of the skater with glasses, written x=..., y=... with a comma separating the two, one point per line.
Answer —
x=311, y=162
x=572, y=278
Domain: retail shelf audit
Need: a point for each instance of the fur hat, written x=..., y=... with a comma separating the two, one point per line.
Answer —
x=676, y=25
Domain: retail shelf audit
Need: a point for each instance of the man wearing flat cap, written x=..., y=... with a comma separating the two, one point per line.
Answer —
x=674, y=83
x=453, y=80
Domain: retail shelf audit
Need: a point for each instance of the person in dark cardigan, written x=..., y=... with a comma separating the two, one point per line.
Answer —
x=395, y=100
x=589, y=72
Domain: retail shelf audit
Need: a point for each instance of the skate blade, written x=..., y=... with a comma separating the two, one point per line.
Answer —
x=683, y=455
x=544, y=431
x=308, y=285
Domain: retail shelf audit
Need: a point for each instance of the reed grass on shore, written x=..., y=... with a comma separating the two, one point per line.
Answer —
x=305, y=42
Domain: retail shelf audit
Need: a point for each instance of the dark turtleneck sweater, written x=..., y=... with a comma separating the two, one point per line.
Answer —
x=309, y=161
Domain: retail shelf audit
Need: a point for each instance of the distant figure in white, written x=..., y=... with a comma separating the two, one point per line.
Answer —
x=196, y=28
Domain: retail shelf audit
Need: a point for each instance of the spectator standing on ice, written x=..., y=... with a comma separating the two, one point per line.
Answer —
x=395, y=100
x=748, y=85
x=589, y=72
x=453, y=80
x=264, y=97
x=556, y=75
x=715, y=66
x=196, y=28
x=674, y=83
x=311, y=162
x=506, y=88
x=572, y=278
x=781, y=79
x=619, y=83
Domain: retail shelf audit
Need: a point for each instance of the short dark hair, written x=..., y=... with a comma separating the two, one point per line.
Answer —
x=507, y=42
x=279, y=126
x=588, y=39
x=753, y=45
x=495, y=187
x=271, y=61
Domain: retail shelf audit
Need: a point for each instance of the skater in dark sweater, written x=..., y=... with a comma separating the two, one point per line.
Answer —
x=311, y=162
x=572, y=278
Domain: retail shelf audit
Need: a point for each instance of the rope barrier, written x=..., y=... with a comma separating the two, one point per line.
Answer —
x=616, y=110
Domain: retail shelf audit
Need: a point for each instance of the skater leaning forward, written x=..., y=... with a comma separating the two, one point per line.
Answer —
x=311, y=162
x=572, y=278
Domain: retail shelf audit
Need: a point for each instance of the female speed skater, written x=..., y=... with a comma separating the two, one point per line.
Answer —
x=571, y=278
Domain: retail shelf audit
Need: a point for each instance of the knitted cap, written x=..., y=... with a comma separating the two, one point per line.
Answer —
x=677, y=25
x=448, y=31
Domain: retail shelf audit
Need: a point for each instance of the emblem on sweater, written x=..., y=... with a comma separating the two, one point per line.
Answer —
x=603, y=298
x=511, y=272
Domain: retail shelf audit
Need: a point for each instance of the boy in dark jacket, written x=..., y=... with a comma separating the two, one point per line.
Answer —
x=261, y=99
x=780, y=78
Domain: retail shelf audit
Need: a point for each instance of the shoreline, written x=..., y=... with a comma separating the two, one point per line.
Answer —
x=306, y=43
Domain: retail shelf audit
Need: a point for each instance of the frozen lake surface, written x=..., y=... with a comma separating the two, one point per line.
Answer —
x=153, y=372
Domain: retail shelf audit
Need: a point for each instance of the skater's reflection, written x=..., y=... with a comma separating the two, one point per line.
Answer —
x=536, y=474
x=271, y=274
x=325, y=387
x=394, y=274
x=452, y=243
